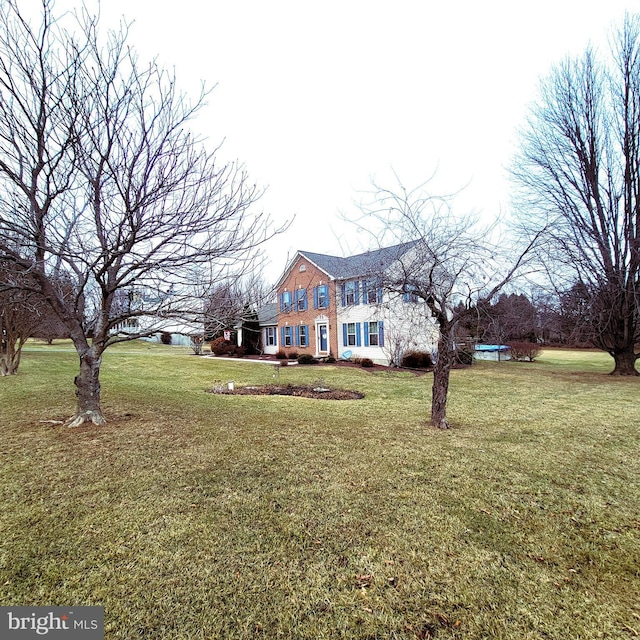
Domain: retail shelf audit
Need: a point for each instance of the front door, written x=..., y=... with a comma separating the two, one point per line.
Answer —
x=323, y=338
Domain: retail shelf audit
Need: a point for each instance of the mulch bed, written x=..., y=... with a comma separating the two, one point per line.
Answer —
x=300, y=391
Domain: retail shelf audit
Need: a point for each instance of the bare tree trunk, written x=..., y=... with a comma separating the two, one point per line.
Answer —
x=9, y=362
x=440, y=387
x=88, y=390
x=625, y=363
x=10, y=352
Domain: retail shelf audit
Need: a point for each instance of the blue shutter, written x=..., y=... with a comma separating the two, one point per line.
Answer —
x=282, y=336
x=344, y=336
x=344, y=298
x=357, y=290
x=364, y=292
x=381, y=334
x=315, y=297
x=306, y=333
x=366, y=334
x=297, y=335
x=306, y=302
x=358, y=339
x=281, y=299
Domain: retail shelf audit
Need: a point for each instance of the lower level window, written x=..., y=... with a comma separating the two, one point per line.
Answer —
x=373, y=334
x=303, y=336
x=351, y=334
x=288, y=336
x=270, y=337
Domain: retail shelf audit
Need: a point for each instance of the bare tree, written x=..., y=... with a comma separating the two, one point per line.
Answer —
x=101, y=178
x=578, y=171
x=452, y=268
x=21, y=310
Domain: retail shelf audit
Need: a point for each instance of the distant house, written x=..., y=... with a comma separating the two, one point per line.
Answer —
x=340, y=306
x=152, y=317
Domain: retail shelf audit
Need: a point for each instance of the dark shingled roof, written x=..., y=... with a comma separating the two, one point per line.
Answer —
x=268, y=314
x=363, y=264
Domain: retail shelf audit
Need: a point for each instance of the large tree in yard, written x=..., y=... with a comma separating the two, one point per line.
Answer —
x=578, y=171
x=453, y=266
x=103, y=183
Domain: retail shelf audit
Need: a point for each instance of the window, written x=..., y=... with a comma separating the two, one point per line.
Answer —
x=351, y=334
x=373, y=334
x=372, y=291
x=409, y=294
x=270, y=336
x=321, y=296
x=285, y=301
x=301, y=299
x=302, y=336
x=350, y=293
x=287, y=336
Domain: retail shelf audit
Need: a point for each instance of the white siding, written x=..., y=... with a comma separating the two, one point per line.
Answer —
x=407, y=326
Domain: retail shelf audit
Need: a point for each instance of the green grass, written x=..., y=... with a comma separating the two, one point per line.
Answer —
x=194, y=515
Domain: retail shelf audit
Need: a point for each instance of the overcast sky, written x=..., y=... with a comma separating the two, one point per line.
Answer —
x=317, y=97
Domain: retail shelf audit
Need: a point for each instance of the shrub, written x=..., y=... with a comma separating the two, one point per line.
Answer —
x=306, y=358
x=165, y=337
x=330, y=358
x=281, y=355
x=239, y=352
x=222, y=347
x=292, y=355
x=417, y=360
x=366, y=362
x=524, y=351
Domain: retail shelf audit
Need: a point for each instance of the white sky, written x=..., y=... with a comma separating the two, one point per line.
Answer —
x=317, y=97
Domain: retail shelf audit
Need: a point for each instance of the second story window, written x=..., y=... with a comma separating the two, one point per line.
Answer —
x=409, y=294
x=321, y=296
x=372, y=291
x=285, y=301
x=350, y=293
x=301, y=299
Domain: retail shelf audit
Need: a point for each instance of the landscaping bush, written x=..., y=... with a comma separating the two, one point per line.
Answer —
x=292, y=355
x=524, y=351
x=222, y=347
x=306, y=358
x=366, y=362
x=281, y=355
x=417, y=360
x=165, y=337
x=330, y=358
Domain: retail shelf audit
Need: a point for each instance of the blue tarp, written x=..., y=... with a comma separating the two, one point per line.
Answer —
x=491, y=347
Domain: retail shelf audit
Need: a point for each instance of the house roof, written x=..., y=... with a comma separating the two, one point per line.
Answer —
x=268, y=314
x=368, y=263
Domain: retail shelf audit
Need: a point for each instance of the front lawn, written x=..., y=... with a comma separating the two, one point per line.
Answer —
x=200, y=515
